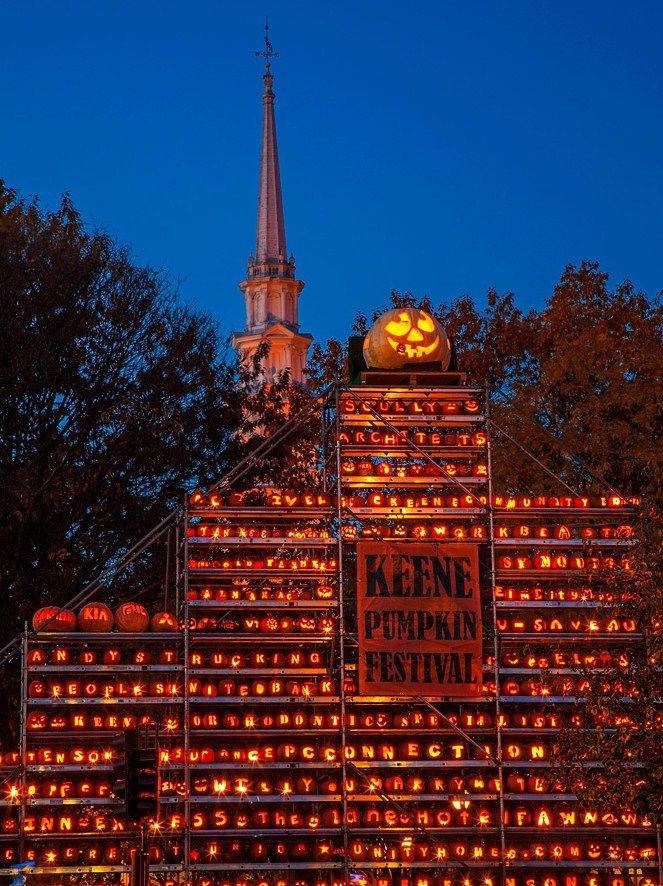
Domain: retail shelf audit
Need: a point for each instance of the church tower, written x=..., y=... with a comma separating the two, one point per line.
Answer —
x=271, y=291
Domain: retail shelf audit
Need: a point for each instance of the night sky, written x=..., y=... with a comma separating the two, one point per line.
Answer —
x=435, y=147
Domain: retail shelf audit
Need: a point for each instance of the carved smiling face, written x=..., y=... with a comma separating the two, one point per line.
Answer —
x=404, y=336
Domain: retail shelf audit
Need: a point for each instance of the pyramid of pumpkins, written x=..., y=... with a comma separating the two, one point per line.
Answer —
x=98, y=618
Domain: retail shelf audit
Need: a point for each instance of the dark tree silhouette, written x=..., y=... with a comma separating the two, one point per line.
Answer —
x=114, y=399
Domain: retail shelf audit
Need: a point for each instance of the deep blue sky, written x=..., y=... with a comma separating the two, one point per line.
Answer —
x=437, y=147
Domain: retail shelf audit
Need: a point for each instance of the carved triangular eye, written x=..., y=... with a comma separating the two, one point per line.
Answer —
x=425, y=322
x=399, y=327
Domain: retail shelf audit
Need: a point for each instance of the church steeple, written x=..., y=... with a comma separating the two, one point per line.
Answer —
x=271, y=292
x=270, y=237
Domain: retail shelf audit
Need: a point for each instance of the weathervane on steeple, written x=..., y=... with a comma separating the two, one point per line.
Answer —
x=271, y=290
x=268, y=51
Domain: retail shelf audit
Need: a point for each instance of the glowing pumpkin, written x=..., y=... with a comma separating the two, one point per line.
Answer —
x=403, y=336
x=162, y=622
x=49, y=618
x=131, y=618
x=95, y=618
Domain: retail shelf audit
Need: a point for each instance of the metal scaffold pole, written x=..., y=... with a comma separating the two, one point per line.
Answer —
x=23, y=742
x=496, y=650
x=183, y=613
x=341, y=630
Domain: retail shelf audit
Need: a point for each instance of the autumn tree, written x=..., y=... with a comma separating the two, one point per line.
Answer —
x=586, y=396
x=577, y=383
x=114, y=399
x=286, y=428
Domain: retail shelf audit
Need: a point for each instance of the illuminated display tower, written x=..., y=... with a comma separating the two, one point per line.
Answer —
x=363, y=682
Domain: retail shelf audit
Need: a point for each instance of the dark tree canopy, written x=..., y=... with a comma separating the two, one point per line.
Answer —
x=114, y=398
x=581, y=378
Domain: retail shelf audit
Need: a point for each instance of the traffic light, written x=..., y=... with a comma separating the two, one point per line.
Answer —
x=142, y=784
x=123, y=743
x=136, y=777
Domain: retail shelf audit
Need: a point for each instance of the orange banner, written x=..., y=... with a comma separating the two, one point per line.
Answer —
x=419, y=619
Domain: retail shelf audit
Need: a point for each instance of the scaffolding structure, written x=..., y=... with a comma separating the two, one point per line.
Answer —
x=275, y=768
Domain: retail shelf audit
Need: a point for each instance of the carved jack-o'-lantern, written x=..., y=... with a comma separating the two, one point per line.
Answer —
x=306, y=623
x=95, y=618
x=50, y=618
x=131, y=618
x=37, y=721
x=269, y=624
x=162, y=622
x=403, y=336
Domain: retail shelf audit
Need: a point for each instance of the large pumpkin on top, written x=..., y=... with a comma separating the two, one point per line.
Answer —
x=404, y=336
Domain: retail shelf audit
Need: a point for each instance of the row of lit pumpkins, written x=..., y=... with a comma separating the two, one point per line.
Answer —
x=479, y=531
x=411, y=750
x=566, y=623
x=548, y=594
x=75, y=854
x=39, y=655
x=280, y=593
x=257, y=659
x=409, y=407
x=305, y=783
x=274, y=688
x=294, y=658
x=486, y=877
x=524, y=530
x=359, y=849
x=92, y=689
x=559, y=560
x=280, y=720
x=270, y=563
x=527, y=502
x=435, y=531
x=252, y=498
x=421, y=783
x=221, y=531
x=285, y=720
x=365, y=498
x=97, y=618
x=85, y=852
x=379, y=720
x=327, y=752
x=315, y=499
x=406, y=877
x=452, y=501
x=604, y=658
x=365, y=468
x=271, y=623
x=542, y=687
x=386, y=818
x=408, y=438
